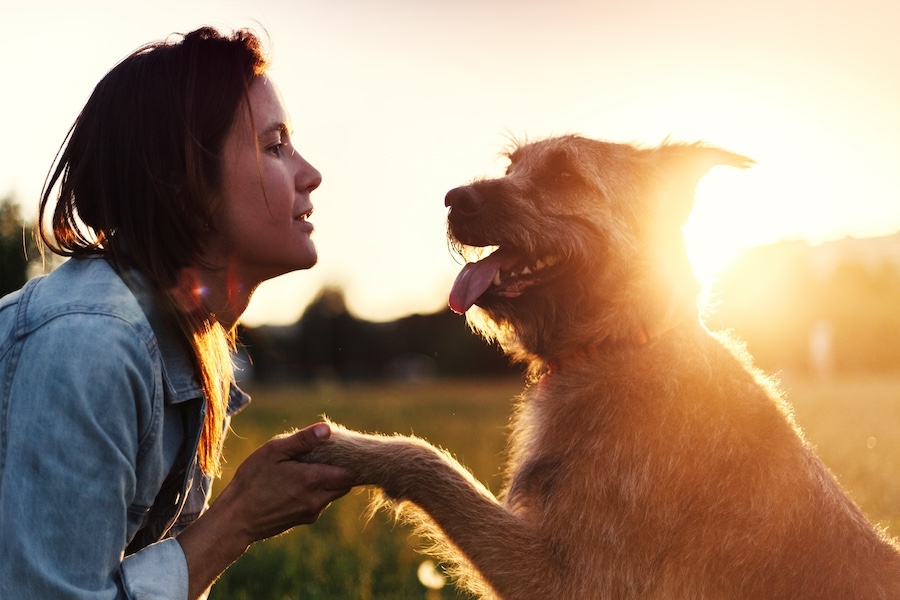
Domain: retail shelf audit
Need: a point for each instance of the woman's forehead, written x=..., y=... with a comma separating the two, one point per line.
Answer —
x=266, y=106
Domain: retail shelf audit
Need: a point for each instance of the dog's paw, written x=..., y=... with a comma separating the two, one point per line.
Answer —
x=394, y=463
x=346, y=449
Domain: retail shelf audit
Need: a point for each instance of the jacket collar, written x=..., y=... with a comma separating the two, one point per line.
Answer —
x=178, y=371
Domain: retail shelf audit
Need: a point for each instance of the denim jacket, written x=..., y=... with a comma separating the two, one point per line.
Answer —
x=100, y=415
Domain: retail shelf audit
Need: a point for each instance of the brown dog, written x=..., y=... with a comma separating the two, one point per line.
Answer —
x=648, y=459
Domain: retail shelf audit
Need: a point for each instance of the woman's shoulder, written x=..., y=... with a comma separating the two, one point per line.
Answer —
x=86, y=289
x=86, y=302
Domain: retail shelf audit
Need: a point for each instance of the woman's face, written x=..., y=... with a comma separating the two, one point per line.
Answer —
x=261, y=214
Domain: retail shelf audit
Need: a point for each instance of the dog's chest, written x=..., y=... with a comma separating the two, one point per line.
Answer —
x=532, y=486
x=561, y=436
x=536, y=466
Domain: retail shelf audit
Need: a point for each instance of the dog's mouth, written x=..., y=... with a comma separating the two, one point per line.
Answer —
x=505, y=272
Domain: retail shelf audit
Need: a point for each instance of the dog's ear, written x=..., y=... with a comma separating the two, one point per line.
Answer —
x=681, y=166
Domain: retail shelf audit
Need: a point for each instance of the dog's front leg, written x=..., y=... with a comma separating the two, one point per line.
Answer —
x=504, y=549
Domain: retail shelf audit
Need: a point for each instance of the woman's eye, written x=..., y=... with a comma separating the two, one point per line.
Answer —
x=277, y=149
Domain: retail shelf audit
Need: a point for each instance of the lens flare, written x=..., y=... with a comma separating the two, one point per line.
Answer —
x=430, y=577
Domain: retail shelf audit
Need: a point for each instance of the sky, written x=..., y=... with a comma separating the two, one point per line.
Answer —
x=398, y=101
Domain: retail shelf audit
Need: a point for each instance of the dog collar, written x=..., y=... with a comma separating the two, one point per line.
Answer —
x=642, y=337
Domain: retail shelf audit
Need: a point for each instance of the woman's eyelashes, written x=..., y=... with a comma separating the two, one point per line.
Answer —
x=281, y=144
x=277, y=149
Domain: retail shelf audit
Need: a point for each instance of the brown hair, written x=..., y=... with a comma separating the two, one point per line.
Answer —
x=136, y=175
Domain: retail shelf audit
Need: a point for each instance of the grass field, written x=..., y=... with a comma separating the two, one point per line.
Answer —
x=853, y=421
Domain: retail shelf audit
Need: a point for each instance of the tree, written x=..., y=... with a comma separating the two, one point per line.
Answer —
x=14, y=243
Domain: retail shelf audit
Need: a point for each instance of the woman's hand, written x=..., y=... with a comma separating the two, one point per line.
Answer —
x=270, y=493
x=273, y=491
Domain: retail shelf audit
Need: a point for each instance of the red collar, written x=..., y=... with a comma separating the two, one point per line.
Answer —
x=643, y=336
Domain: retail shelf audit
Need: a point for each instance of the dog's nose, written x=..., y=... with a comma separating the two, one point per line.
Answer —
x=463, y=199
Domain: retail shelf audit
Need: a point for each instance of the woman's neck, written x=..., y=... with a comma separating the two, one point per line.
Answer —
x=218, y=291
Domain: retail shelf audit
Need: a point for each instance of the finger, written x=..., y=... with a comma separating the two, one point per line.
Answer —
x=299, y=443
x=324, y=497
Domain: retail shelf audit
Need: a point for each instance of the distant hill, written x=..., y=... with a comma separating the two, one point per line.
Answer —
x=871, y=253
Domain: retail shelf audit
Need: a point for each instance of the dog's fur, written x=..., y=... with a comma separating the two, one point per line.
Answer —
x=648, y=458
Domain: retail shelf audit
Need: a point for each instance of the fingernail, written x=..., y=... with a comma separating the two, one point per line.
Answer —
x=322, y=431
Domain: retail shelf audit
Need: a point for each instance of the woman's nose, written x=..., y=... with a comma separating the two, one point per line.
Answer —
x=308, y=177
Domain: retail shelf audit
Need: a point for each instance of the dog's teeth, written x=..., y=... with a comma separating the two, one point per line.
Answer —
x=496, y=280
x=539, y=265
x=526, y=271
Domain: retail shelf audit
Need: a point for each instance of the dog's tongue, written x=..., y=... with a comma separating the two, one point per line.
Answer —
x=475, y=279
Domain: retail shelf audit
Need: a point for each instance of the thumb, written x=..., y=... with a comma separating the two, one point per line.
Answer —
x=299, y=443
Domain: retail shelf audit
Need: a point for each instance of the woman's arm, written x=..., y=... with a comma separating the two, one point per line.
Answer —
x=76, y=393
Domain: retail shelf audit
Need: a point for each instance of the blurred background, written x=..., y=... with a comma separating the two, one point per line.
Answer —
x=397, y=102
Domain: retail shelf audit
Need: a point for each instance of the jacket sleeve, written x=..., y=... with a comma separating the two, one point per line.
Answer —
x=80, y=394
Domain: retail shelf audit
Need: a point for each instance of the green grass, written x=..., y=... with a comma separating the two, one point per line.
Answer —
x=854, y=424
x=853, y=421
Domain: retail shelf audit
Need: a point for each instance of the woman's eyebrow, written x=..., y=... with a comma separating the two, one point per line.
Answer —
x=279, y=127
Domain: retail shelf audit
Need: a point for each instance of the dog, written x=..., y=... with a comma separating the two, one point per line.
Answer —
x=648, y=458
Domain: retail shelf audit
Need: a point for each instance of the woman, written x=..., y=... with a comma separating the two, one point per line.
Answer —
x=178, y=193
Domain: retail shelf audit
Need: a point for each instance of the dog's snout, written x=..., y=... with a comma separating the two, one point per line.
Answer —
x=464, y=200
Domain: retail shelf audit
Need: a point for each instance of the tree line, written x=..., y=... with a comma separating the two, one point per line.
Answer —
x=329, y=342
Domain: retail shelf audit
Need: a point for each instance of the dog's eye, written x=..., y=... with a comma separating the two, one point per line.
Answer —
x=565, y=177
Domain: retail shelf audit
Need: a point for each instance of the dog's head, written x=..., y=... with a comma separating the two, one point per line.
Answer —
x=588, y=243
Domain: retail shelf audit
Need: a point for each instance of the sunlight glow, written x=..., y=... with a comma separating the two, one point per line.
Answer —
x=394, y=120
x=814, y=178
x=721, y=225
x=781, y=198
